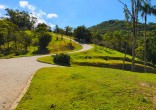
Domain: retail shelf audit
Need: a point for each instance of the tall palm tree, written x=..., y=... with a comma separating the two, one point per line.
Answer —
x=135, y=6
x=135, y=10
x=146, y=9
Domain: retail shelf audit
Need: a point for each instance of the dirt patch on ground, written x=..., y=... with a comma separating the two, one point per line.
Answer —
x=144, y=84
x=153, y=86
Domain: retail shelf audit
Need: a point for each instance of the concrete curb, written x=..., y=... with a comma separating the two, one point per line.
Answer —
x=24, y=90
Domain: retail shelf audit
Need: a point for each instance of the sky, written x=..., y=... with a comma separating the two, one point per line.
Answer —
x=70, y=12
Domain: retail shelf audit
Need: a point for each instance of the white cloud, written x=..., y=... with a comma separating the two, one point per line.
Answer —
x=2, y=7
x=51, y=25
x=41, y=21
x=40, y=14
x=25, y=4
x=52, y=15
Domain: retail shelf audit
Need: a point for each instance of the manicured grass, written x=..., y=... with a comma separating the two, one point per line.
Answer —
x=102, y=57
x=46, y=59
x=89, y=88
x=96, y=52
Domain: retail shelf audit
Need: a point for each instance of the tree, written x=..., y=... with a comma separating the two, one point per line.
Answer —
x=25, y=40
x=42, y=27
x=7, y=30
x=135, y=4
x=2, y=33
x=151, y=45
x=81, y=33
x=68, y=31
x=56, y=30
x=21, y=18
x=44, y=40
x=21, y=43
x=43, y=36
x=59, y=30
x=146, y=9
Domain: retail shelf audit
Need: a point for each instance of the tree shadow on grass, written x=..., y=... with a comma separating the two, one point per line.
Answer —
x=42, y=51
x=138, y=68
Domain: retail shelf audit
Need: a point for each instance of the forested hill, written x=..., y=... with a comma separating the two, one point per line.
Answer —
x=116, y=25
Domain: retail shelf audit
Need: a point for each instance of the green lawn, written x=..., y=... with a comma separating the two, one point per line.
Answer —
x=102, y=57
x=46, y=59
x=89, y=88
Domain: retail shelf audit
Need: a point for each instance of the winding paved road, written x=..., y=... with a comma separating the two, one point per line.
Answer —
x=15, y=74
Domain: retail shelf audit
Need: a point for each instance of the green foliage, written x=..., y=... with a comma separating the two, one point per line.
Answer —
x=118, y=25
x=117, y=35
x=62, y=59
x=21, y=18
x=68, y=31
x=42, y=27
x=81, y=33
x=151, y=47
x=59, y=30
x=44, y=40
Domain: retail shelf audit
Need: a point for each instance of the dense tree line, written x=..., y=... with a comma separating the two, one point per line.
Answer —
x=80, y=33
x=18, y=32
x=145, y=8
x=119, y=37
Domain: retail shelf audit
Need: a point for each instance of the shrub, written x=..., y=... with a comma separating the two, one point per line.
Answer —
x=44, y=41
x=62, y=59
x=70, y=46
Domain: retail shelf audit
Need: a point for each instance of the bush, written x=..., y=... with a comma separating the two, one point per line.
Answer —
x=62, y=59
x=44, y=41
x=70, y=46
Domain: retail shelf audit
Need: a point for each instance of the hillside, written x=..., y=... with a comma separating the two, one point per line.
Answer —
x=116, y=25
x=102, y=57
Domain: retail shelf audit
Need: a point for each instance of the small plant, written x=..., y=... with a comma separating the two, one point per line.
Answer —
x=70, y=45
x=62, y=59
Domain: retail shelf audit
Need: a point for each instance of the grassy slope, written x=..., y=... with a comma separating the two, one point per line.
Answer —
x=101, y=57
x=61, y=45
x=84, y=55
x=88, y=88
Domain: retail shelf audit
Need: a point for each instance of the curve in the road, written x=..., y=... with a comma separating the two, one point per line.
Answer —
x=15, y=77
